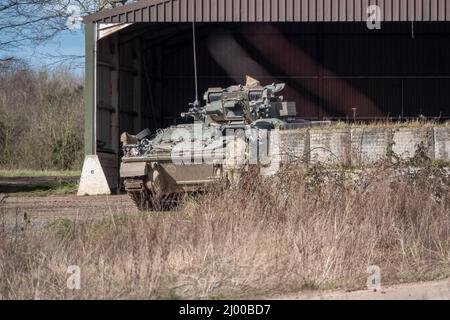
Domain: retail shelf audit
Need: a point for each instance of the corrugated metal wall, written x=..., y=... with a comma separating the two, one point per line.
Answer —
x=273, y=11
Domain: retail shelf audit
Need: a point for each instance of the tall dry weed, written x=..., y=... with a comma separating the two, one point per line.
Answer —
x=299, y=230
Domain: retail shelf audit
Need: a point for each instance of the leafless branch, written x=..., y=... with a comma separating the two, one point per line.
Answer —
x=30, y=23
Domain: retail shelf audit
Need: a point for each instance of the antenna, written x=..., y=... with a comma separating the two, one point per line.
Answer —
x=196, y=102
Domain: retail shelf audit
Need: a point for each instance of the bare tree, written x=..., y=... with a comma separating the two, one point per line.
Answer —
x=25, y=23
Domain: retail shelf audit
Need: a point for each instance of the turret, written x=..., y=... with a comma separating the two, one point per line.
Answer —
x=243, y=104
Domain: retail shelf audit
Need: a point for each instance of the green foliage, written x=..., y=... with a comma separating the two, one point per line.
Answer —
x=38, y=173
x=64, y=150
x=440, y=164
x=41, y=119
x=62, y=227
x=45, y=189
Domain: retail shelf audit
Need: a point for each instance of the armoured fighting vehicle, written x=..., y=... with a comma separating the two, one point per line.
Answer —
x=220, y=143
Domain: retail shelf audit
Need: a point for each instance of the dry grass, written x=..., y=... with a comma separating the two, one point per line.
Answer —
x=38, y=173
x=295, y=231
x=391, y=124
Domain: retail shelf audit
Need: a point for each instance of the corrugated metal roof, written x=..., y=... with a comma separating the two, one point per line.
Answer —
x=272, y=11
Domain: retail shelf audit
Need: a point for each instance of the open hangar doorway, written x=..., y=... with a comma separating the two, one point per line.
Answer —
x=332, y=70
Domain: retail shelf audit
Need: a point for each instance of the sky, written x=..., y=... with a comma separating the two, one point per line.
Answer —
x=67, y=43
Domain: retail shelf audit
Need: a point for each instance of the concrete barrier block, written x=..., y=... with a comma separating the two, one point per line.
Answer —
x=294, y=146
x=369, y=145
x=408, y=143
x=93, y=180
x=442, y=143
x=330, y=146
x=110, y=165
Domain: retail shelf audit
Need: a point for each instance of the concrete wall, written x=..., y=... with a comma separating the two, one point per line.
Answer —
x=442, y=143
x=409, y=142
x=362, y=146
x=329, y=146
x=369, y=145
x=294, y=146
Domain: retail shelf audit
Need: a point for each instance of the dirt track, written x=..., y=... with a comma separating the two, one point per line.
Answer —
x=435, y=290
x=41, y=210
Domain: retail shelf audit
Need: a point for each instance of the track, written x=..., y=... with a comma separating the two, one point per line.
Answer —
x=433, y=290
x=38, y=211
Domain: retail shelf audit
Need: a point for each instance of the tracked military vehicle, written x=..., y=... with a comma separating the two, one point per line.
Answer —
x=222, y=142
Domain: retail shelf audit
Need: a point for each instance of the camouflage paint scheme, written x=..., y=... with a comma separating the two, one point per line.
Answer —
x=150, y=168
